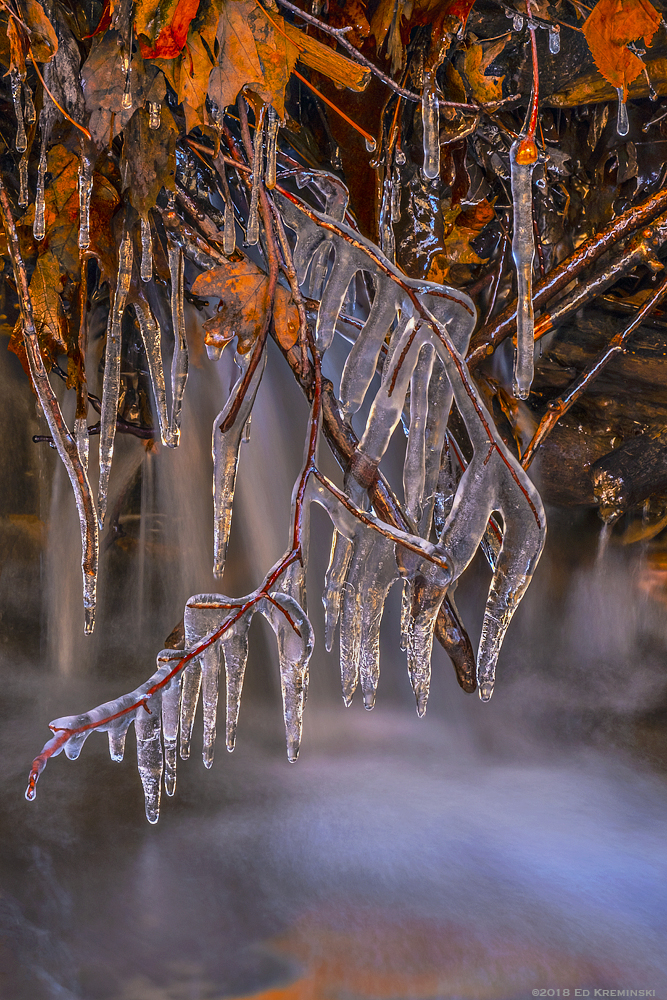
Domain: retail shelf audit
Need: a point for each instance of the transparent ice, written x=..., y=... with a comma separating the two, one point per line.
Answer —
x=111, y=379
x=430, y=121
x=180, y=361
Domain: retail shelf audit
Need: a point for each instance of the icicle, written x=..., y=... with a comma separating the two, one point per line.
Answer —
x=39, y=225
x=179, y=363
x=235, y=650
x=189, y=697
x=23, y=181
x=229, y=229
x=523, y=157
x=111, y=382
x=295, y=646
x=210, y=665
x=149, y=755
x=371, y=145
x=623, y=122
x=428, y=593
x=146, y=250
x=85, y=191
x=414, y=469
x=225, y=464
x=271, y=147
x=396, y=193
x=554, y=39
x=171, y=699
x=430, y=122
x=154, y=114
x=387, y=242
x=126, y=102
x=339, y=560
x=29, y=112
x=152, y=338
x=245, y=438
x=252, y=232
x=371, y=574
x=82, y=440
x=21, y=139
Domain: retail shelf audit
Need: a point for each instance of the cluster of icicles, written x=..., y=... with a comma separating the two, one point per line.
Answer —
x=416, y=333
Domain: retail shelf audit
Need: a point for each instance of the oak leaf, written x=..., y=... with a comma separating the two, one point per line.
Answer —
x=611, y=26
x=243, y=291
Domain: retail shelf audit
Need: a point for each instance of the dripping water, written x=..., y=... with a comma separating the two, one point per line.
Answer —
x=623, y=122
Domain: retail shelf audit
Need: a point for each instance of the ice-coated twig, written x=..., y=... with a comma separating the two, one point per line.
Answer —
x=226, y=445
x=523, y=157
x=430, y=122
x=62, y=439
x=23, y=181
x=179, y=361
x=252, y=232
x=271, y=147
x=152, y=339
x=111, y=380
x=146, y=250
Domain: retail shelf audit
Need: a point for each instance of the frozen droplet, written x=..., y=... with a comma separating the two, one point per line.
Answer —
x=554, y=39
x=430, y=121
x=154, y=114
x=85, y=192
x=517, y=22
x=146, y=250
x=371, y=145
x=623, y=122
x=271, y=147
x=23, y=181
x=148, y=729
x=111, y=378
x=21, y=140
x=179, y=363
x=523, y=157
x=399, y=156
x=82, y=440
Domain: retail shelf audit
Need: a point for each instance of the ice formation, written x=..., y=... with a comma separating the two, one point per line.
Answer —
x=415, y=333
x=523, y=157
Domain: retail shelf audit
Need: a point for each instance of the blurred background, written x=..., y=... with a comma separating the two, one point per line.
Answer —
x=478, y=854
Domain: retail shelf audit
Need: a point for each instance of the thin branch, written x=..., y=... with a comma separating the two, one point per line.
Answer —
x=558, y=407
x=409, y=95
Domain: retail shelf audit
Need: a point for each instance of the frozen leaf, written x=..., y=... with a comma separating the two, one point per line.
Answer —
x=50, y=322
x=189, y=72
x=459, y=229
x=611, y=26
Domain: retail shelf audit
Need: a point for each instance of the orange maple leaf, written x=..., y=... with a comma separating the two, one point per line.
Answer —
x=609, y=29
x=171, y=39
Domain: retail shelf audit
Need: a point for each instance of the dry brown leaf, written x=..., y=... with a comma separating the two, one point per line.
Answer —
x=149, y=159
x=456, y=250
x=338, y=68
x=478, y=58
x=609, y=29
x=277, y=56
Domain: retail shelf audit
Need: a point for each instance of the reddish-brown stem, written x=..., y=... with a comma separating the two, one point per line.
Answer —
x=558, y=407
x=532, y=120
x=334, y=107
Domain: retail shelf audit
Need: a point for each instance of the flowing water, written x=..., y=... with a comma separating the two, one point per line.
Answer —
x=486, y=851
